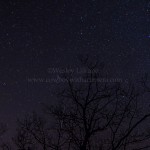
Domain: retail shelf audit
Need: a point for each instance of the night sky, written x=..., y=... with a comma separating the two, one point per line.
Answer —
x=36, y=35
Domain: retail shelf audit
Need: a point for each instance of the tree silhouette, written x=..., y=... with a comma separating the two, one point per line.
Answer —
x=23, y=140
x=93, y=114
x=32, y=131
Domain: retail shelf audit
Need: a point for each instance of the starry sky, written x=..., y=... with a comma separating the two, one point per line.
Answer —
x=39, y=34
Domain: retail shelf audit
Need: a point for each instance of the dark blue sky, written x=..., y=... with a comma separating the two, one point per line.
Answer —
x=36, y=35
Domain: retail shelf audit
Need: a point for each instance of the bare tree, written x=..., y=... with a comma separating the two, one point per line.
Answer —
x=94, y=113
x=93, y=110
x=32, y=130
x=23, y=140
